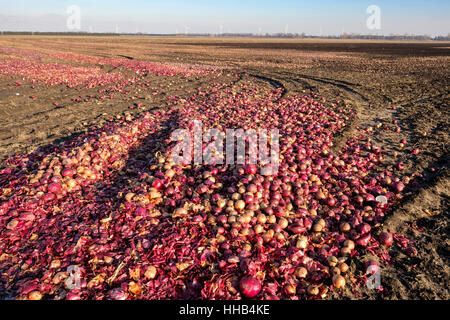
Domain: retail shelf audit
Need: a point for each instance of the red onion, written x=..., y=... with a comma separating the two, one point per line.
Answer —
x=157, y=184
x=411, y=251
x=371, y=266
x=364, y=240
x=54, y=188
x=386, y=239
x=49, y=197
x=251, y=169
x=117, y=294
x=399, y=186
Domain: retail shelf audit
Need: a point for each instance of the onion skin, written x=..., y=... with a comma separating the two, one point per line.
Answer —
x=141, y=211
x=72, y=296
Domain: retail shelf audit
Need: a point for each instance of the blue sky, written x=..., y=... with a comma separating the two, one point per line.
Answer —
x=170, y=16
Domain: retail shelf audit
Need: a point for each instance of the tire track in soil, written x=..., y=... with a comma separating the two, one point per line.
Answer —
x=273, y=82
x=301, y=82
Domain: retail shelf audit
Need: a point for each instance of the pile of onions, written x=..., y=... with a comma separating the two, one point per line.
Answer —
x=139, y=226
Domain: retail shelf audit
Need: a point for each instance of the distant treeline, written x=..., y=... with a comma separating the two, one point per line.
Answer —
x=242, y=35
x=342, y=36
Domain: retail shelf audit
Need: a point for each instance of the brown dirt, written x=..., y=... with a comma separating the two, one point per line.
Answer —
x=371, y=76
